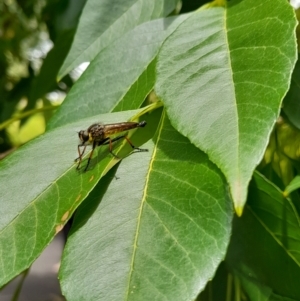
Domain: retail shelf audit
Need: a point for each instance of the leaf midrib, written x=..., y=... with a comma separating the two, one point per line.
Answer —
x=142, y=206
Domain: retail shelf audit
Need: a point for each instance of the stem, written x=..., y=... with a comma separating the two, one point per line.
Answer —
x=25, y=114
x=229, y=288
x=19, y=287
x=237, y=289
x=215, y=3
x=147, y=109
x=220, y=2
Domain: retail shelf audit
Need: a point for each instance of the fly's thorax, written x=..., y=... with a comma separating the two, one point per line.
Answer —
x=96, y=132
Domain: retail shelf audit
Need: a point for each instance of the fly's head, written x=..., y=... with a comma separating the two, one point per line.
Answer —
x=83, y=136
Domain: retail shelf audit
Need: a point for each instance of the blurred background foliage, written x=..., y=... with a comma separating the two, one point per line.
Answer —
x=35, y=36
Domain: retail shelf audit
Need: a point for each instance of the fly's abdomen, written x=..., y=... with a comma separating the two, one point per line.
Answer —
x=115, y=128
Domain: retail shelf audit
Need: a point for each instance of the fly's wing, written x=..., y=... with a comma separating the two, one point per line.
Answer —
x=114, y=128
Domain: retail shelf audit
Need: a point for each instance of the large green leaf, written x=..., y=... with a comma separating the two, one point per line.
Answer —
x=121, y=76
x=159, y=232
x=222, y=76
x=40, y=189
x=266, y=240
x=103, y=22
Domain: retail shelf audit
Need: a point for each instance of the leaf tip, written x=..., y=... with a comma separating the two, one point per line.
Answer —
x=239, y=210
x=239, y=196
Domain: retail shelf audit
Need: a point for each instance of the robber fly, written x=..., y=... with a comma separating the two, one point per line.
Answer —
x=100, y=134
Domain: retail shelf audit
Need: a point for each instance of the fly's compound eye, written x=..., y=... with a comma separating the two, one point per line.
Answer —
x=83, y=136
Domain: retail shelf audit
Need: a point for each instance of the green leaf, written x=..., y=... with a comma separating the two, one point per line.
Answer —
x=255, y=290
x=294, y=185
x=103, y=22
x=158, y=233
x=275, y=297
x=291, y=103
x=222, y=76
x=267, y=235
x=41, y=188
x=120, y=77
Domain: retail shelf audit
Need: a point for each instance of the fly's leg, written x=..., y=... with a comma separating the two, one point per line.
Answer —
x=104, y=142
x=95, y=144
x=90, y=156
x=80, y=155
x=134, y=147
x=110, y=142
